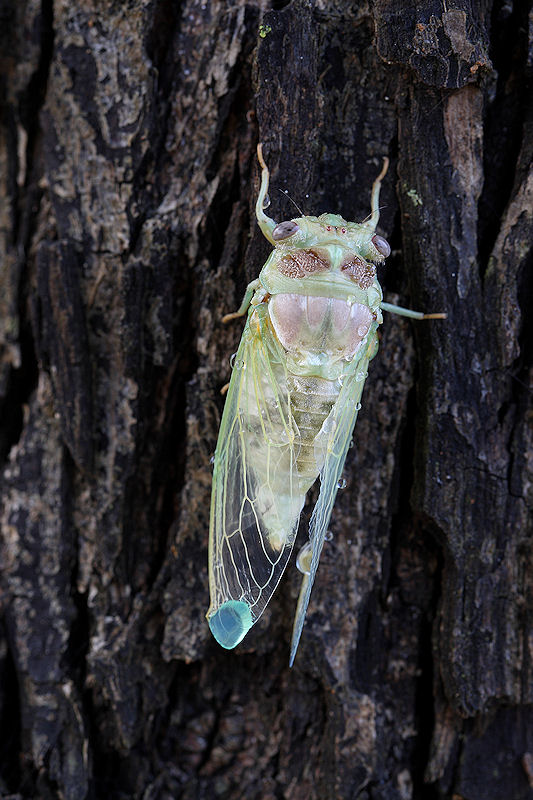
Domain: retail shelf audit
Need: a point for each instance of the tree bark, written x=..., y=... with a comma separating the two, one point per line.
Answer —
x=128, y=181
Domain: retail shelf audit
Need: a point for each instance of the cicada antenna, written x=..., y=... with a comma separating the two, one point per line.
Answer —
x=295, y=204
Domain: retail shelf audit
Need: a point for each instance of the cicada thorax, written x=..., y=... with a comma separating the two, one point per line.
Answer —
x=319, y=333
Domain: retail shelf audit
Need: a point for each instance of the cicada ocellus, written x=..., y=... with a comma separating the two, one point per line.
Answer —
x=291, y=406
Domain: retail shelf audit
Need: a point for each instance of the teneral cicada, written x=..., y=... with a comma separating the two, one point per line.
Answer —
x=291, y=406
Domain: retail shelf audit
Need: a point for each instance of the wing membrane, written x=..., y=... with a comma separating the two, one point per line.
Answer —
x=257, y=496
x=336, y=441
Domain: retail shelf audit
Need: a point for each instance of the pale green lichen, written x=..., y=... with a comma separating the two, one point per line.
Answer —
x=415, y=198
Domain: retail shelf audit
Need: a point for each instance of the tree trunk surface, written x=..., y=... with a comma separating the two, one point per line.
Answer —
x=128, y=180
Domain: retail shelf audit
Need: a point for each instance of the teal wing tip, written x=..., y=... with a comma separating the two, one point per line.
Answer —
x=230, y=623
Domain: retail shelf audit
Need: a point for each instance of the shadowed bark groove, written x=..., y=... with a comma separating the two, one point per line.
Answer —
x=128, y=181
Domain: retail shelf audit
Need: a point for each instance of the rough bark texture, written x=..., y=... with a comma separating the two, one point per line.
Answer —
x=127, y=183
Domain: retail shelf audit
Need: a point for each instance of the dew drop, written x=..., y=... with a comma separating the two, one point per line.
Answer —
x=341, y=483
x=212, y=460
x=303, y=559
x=358, y=407
x=232, y=360
x=350, y=445
x=328, y=536
x=266, y=201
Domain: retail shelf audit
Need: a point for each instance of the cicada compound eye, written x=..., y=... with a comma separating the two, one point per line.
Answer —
x=284, y=230
x=381, y=245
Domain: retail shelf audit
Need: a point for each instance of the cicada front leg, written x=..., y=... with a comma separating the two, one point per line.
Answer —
x=244, y=306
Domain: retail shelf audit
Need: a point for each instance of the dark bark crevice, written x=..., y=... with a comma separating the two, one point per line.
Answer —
x=10, y=748
x=505, y=114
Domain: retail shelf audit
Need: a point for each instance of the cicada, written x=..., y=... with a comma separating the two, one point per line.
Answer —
x=291, y=406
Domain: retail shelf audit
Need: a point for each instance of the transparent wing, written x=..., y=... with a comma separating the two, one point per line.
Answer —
x=257, y=496
x=335, y=439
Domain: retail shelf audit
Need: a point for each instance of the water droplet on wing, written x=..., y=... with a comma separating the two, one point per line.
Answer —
x=303, y=559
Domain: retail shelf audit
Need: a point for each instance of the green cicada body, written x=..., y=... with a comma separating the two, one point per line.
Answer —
x=291, y=407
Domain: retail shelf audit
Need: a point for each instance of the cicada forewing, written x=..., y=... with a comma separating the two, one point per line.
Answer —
x=334, y=440
x=257, y=496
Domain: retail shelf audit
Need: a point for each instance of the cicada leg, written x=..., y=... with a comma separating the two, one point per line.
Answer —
x=266, y=224
x=243, y=308
x=407, y=312
x=376, y=187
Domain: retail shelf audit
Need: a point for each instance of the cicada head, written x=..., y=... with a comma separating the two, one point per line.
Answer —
x=328, y=230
